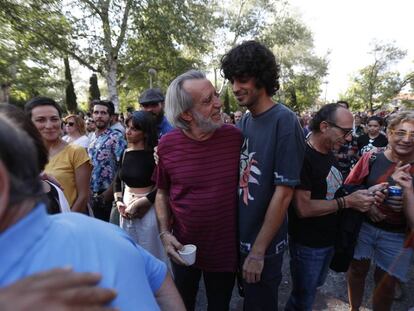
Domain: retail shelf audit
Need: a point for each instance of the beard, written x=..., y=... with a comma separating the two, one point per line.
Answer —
x=206, y=125
x=100, y=125
x=158, y=117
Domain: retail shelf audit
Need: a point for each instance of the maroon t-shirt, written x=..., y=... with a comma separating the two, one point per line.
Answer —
x=201, y=178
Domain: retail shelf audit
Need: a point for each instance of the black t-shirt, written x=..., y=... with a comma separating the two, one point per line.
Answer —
x=319, y=176
x=136, y=171
x=366, y=144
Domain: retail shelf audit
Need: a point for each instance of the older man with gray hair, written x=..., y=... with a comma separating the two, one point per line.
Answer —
x=197, y=178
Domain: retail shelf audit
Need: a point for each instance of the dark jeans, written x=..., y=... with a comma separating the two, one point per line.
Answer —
x=309, y=267
x=101, y=209
x=263, y=296
x=219, y=286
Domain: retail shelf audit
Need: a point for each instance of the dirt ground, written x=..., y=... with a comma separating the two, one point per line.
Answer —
x=331, y=296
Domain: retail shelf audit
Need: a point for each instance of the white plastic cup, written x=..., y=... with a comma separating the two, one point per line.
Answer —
x=188, y=253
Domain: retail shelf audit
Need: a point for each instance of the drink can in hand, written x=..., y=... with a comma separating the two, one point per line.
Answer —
x=395, y=191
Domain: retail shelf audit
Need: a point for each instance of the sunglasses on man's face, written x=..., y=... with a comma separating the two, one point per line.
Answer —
x=70, y=123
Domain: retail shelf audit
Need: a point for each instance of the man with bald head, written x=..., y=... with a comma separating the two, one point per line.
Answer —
x=313, y=213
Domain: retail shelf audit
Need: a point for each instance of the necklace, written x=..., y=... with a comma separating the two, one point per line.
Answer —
x=310, y=144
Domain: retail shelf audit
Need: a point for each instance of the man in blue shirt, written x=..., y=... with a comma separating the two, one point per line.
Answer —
x=152, y=100
x=32, y=241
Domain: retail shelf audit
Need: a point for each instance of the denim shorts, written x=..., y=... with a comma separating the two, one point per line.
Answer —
x=385, y=249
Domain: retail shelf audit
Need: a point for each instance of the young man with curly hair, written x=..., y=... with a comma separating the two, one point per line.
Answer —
x=270, y=164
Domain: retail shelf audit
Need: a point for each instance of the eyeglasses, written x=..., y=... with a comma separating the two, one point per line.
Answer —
x=400, y=134
x=346, y=131
x=70, y=123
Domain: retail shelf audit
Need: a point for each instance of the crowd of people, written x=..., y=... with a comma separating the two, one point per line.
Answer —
x=242, y=188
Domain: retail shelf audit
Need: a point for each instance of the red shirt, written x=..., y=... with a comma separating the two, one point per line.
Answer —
x=202, y=177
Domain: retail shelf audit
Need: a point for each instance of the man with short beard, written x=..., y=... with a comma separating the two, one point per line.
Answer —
x=105, y=150
x=196, y=201
x=237, y=116
x=152, y=101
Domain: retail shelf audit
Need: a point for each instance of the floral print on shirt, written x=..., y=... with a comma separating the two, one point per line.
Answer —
x=105, y=152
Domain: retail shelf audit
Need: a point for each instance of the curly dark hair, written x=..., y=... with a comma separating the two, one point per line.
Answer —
x=252, y=59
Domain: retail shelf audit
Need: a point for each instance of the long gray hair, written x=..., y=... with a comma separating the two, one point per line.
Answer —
x=177, y=100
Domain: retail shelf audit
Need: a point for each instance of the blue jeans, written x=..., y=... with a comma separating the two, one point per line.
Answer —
x=308, y=267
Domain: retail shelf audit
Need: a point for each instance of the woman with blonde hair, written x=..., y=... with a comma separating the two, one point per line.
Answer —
x=68, y=163
x=382, y=238
x=75, y=131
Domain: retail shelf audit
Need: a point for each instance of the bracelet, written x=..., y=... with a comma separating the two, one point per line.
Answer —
x=343, y=202
x=339, y=204
x=253, y=257
x=163, y=232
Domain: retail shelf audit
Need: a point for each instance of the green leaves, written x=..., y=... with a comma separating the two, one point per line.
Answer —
x=375, y=84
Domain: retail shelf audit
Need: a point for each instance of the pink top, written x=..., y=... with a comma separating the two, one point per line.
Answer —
x=202, y=178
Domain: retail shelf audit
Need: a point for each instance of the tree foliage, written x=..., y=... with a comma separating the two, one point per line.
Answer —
x=94, y=92
x=27, y=66
x=376, y=84
x=119, y=39
x=271, y=22
x=70, y=96
x=170, y=37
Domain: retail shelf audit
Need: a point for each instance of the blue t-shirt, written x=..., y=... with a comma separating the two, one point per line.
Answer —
x=164, y=127
x=271, y=155
x=40, y=242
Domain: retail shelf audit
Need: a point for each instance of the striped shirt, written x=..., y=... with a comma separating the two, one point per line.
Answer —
x=201, y=178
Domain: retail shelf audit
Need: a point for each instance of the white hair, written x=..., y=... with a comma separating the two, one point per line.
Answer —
x=177, y=100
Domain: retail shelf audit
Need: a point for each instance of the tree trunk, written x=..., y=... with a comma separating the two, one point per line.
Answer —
x=111, y=75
